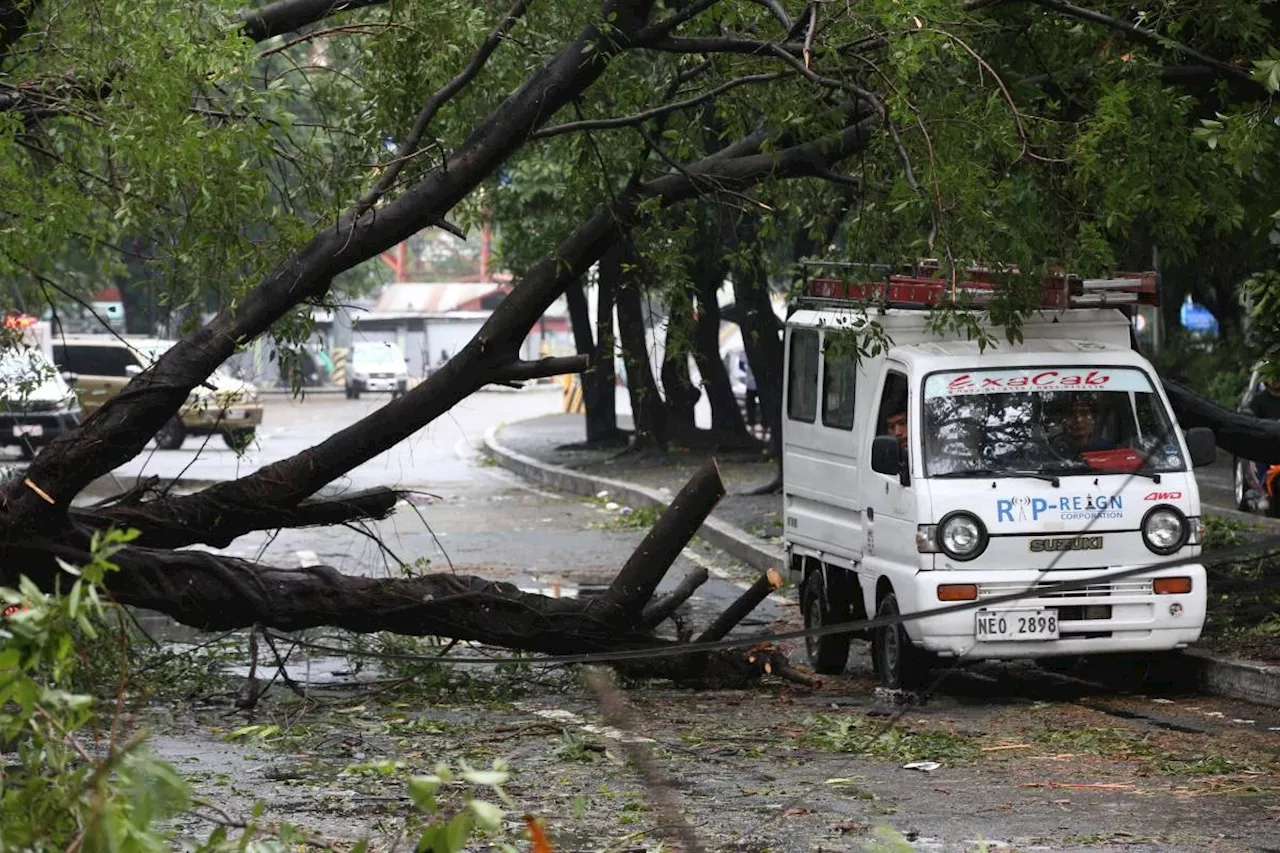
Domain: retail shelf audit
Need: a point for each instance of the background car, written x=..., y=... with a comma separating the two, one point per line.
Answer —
x=36, y=404
x=100, y=366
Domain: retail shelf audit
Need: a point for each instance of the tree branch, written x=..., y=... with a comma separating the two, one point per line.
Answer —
x=778, y=12
x=406, y=148
x=15, y=19
x=291, y=480
x=119, y=430
x=721, y=44
x=1149, y=36
x=521, y=371
x=284, y=16
x=202, y=519
x=638, y=118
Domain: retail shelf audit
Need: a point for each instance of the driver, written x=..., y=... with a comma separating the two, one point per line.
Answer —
x=1080, y=421
x=896, y=425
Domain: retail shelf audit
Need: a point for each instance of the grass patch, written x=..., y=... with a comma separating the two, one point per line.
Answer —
x=1244, y=600
x=870, y=738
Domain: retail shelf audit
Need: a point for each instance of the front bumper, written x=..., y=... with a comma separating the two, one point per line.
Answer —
x=210, y=418
x=1137, y=618
x=376, y=383
x=20, y=429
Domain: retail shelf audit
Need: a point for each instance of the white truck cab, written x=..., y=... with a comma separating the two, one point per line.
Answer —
x=1020, y=466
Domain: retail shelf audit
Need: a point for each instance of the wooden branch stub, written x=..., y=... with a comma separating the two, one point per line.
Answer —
x=661, y=608
x=767, y=583
x=645, y=568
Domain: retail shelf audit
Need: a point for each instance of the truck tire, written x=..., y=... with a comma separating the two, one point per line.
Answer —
x=171, y=435
x=827, y=654
x=901, y=665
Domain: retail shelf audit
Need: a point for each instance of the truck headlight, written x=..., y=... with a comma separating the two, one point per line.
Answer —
x=1164, y=529
x=962, y=536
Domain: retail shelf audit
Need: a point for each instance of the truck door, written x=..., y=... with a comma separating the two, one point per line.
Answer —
x=890, y=503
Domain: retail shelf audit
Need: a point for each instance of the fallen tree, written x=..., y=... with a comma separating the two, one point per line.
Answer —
x=215, y=591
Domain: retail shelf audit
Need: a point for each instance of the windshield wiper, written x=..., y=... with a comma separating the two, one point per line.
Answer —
x=998, y=472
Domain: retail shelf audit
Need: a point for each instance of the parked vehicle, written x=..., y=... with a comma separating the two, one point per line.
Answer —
x=376, y=366
x=100, y=366
x=935, y=472
x=36, y=404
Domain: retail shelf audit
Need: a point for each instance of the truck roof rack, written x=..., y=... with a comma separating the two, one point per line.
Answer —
x=915, y=287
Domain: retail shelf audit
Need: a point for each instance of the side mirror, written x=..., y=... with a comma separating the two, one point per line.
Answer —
x=886, y=455
x=1202, y=445
x=69, y=377
x=132, y=370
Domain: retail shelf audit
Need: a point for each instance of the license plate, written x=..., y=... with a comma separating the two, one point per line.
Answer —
x=28, y=429
x=1016, y=625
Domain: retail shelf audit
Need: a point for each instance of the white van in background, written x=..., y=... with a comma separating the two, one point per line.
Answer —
x=376, y=366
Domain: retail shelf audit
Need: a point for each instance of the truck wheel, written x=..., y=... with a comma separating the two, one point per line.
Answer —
x=828, y=654
x=171, y=435
x=239, y=439
x=901, y=665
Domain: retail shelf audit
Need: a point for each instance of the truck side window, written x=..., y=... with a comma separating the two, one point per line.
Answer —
x=892, y=401
x=839, y=382
x=802, y=378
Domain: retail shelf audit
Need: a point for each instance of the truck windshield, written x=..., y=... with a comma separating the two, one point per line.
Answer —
x=984, y=423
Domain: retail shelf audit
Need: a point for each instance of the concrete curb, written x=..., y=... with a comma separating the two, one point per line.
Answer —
x=734, y=542
x=1246, y=680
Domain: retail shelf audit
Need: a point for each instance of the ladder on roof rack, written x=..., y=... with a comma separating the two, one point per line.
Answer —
x=917, y=289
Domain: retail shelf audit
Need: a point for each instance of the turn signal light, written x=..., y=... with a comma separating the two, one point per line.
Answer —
x=1171, y=586
x=957, y=592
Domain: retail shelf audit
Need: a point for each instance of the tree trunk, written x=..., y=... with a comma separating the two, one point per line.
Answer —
x=600, y=383
x=580, y=318
x=647, y=409
x=677, y=385
x=726, y=417
x=760, y=334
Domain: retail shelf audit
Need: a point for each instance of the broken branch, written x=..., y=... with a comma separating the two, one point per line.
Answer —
x=647, y=565
x=661, y=608
x=767, y=583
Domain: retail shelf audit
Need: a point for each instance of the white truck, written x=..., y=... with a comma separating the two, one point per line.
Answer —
x=935, y=472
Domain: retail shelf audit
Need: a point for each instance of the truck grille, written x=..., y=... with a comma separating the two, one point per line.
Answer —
x=1121, y=587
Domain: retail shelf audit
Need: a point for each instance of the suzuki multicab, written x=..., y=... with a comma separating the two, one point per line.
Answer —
x=936, y=472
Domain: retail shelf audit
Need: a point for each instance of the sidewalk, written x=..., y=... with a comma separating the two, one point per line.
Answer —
x=747, y=527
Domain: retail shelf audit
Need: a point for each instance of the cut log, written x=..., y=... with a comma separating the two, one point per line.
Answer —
x=660, y=608
x=645, y=568
x=736, y=612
